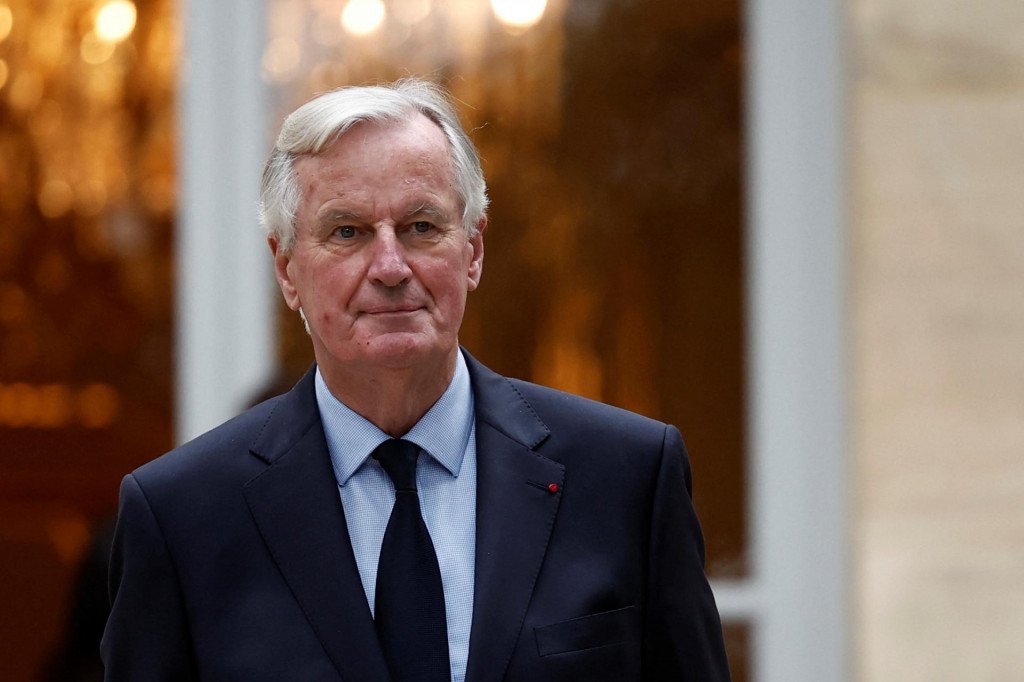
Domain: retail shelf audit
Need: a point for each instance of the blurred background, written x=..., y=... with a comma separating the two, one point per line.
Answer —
x=790, y=227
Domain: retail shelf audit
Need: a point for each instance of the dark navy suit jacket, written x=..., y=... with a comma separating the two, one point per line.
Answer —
x=232, y=559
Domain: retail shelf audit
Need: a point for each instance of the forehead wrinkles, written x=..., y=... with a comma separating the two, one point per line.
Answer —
x=415, y=148
x=371, y=157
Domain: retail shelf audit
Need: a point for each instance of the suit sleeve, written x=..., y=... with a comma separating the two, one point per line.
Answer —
x=683, y=631
x=147, y=635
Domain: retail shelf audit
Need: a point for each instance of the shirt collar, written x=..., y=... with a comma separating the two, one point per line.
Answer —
x=442, y=432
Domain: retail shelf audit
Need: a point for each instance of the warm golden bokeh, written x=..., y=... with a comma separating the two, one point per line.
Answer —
x=6, y=22
x=115, y=20
x=519, y=14
x=363, y=17
x=87, y=202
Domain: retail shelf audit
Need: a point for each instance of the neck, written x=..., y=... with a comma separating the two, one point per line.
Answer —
x=393, y=399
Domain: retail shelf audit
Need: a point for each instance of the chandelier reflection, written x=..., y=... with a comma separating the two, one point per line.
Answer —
x=519, y=14
x=362, y=17
x=87, y=196
x=115, y=21
x=331, y=42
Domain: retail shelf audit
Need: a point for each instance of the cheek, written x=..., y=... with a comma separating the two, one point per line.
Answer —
x=453, y=302
x=333, y=285
x=445, y=281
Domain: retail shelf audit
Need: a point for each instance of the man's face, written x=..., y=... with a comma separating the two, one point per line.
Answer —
x=381, y=265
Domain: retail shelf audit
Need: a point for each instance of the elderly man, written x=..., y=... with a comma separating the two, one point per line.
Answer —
x=404, y=513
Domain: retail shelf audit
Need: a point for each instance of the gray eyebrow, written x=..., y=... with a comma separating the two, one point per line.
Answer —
x=337, y=215
x=427, y=209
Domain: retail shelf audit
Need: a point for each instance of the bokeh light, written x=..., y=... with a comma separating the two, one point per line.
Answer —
x=519, y=14
x=6, y=22
x=362, y=17
x=115, y=21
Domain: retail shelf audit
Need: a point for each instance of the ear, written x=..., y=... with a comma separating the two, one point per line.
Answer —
x=476, y=265
x=282, y=259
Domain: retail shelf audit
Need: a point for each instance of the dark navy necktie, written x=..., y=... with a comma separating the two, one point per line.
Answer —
x=409, y=603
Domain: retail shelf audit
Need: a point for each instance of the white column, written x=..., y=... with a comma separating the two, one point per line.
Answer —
x=224, y=313
x=796, y=271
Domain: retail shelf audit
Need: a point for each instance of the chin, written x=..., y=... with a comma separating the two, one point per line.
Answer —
x=403, y=349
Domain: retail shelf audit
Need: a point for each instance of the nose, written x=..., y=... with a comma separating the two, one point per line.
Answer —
x=388, y=264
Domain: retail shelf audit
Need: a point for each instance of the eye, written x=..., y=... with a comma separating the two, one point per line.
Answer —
x=422, y=227
x=346, y=232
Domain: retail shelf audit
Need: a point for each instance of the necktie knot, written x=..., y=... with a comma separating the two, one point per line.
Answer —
x=398, y=458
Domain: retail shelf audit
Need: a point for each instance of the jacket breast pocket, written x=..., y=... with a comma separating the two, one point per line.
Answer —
x=587, y=632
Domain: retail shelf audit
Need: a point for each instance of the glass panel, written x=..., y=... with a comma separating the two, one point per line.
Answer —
x=611, y=138
x=86, y=211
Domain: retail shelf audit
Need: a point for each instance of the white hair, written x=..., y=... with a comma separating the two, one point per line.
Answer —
x=320, y=122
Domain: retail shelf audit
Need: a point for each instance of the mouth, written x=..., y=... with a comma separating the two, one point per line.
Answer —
x=384, y=311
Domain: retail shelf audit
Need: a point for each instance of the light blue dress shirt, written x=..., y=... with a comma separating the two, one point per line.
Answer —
x=446, y=480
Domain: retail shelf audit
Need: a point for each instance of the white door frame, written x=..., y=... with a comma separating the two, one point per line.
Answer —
x=225, y=333
x=796, y=598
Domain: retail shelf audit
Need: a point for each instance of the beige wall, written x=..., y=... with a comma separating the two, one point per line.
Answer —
x=937, y=324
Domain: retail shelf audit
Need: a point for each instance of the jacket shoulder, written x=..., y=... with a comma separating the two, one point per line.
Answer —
x=561, y=410
x=223, y=448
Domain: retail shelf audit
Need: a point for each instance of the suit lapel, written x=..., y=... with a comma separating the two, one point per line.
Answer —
x=298, y=511
x=515, y=514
